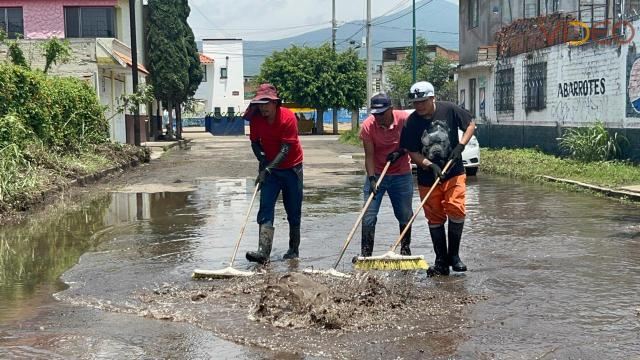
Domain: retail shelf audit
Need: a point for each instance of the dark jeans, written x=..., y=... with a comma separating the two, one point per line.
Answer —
x=289, y=181
x=400, y=190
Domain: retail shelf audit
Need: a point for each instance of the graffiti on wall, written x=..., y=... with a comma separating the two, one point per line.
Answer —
x=633, y=83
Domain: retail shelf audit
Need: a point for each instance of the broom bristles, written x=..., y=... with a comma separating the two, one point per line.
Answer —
x=391, y=261
x=391, y=265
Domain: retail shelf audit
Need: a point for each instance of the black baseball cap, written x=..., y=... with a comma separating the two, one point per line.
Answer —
x=380, y=102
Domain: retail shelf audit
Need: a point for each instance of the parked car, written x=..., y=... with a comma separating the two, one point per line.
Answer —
x=470, y=155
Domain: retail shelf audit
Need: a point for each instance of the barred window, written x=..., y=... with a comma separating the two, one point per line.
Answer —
x=504, y=89
x=11, y=22
x=89, y=22
x=535, y=82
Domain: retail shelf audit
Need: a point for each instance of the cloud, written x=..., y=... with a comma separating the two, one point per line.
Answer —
x=266, y=20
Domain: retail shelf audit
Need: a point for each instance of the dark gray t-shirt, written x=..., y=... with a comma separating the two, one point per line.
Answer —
x=435, y=137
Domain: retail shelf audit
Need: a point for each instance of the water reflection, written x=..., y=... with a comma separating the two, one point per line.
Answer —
x=34, y=254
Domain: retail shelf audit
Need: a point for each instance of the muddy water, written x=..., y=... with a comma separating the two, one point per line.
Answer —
x=552, y=275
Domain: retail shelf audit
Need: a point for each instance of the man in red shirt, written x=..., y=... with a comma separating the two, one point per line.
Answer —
x=275, y=143
x=380, y=135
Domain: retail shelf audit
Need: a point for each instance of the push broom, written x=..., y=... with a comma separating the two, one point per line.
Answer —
x=392, y=261
x=229, y=271
x=333, y=271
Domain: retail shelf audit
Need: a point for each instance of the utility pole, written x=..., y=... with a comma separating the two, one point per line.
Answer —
x=334, y=29
x=134, y=70
x=415, y=58
x=368, y=40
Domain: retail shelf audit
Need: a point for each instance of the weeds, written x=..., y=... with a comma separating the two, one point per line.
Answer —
x=593, y=143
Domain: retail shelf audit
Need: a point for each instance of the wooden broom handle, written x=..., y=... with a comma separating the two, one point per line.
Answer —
x=364, y=209
x=424, y=201
x=244, y=225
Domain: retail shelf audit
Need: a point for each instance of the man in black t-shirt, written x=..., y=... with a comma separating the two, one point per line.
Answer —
x=431, y=137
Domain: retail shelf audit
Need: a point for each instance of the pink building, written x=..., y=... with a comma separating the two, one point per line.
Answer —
x=41, y=19
x=100, y=37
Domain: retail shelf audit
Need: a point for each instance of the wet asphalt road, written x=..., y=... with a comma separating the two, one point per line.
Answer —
x=558, y=273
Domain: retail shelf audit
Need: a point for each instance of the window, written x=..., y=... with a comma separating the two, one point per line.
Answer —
x=530, y=8
x=89, y=22
x=473, y=13
x=504, y=88
x=535, y=83
x=230, y=111
x=216, y=111
x=11, y=21
x=223, y=73
x=594, y=13
x=204, y=73
x=472, y=96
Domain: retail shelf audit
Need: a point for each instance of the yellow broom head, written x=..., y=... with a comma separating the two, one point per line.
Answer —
x=390, y=261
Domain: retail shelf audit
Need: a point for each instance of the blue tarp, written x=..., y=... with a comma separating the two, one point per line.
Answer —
x=224, y=125
x=344, y=116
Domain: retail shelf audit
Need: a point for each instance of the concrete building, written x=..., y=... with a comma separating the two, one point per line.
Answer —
x=528, y=71
x=227, y=82
x=204, y=94
x=99, y=33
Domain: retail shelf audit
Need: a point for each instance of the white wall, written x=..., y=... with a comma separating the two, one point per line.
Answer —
x=567, y=66
x=124, y=27
x=226, y=53
x=205, y=90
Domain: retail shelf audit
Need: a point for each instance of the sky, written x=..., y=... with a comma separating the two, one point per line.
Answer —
x=275, y=19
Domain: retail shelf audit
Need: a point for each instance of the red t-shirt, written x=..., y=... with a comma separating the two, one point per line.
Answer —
x=385, y=141
x=271, y=136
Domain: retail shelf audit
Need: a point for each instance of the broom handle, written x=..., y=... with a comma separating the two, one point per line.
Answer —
x=246, y=220
x=424, y=201
x=364, y=209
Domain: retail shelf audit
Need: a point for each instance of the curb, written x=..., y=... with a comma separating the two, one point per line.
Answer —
x=603, y=190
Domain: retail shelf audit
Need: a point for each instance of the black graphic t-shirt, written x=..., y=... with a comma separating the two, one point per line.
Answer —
x=435, y=137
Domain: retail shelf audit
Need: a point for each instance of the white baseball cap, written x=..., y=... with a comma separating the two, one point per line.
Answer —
x=420, y=91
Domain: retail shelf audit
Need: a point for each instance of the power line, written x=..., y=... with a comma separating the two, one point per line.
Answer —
x=429, y=31
x=403, y=15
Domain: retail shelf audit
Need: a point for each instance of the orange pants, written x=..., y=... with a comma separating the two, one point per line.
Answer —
x=446, y=200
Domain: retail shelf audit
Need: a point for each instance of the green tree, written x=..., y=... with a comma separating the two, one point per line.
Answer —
x=196, y=74
x=167, y=55
x=436, y=70
x=317, y=78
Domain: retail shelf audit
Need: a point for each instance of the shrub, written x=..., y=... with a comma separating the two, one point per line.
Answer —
x=593, y=143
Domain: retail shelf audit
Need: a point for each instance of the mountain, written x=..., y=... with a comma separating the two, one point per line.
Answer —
x=436, y=20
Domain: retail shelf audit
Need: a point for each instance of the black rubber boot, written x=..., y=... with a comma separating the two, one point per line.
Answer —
x=264, y=246
x=368, y=236
x=294, y=242
x=455, y=235
x=405, y=244
x=439, y=240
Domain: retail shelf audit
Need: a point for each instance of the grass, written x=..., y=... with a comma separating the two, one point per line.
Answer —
x=26, y=172
x=351, y=137
x=529, y=164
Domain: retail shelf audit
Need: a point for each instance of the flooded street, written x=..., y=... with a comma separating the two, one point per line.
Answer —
x=552, y=274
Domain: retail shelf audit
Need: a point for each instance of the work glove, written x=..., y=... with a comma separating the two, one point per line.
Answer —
x=263, y=164
x=394, y=156
x=262, y=175
x=437, y=172
x=372, y=185
x=456, y=153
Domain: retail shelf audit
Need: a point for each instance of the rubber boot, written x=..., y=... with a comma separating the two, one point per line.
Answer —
x=294, y=242
x=455, y=235
x=405, y=244
x=264, y=246
x=439, y=240
x=368, y=236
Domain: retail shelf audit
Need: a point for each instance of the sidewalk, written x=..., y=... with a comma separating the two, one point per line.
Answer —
x=159, y=147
